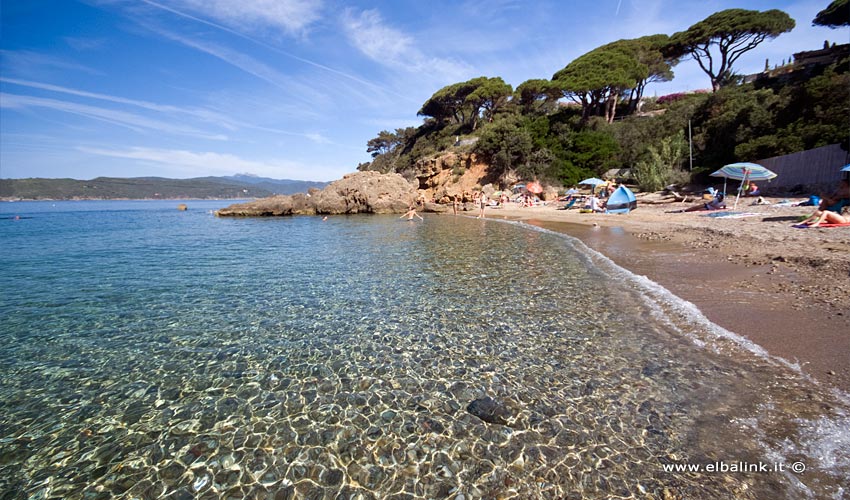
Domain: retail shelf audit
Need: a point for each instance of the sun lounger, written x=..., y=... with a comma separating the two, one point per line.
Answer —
x=569, y=205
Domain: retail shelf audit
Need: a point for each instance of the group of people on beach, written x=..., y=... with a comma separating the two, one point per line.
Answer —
x=828, y=211
x=597, y=200
x=479, y=199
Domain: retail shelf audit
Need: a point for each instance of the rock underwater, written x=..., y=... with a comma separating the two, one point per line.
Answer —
x=359, y=192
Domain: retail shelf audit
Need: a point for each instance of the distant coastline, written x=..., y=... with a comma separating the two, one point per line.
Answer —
x=235, y=187
x=15, y=200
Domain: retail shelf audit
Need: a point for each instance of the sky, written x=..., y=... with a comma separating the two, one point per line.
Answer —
x=293, y=89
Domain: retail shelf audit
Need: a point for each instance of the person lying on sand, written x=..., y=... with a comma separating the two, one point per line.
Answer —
x=715, y=204
x=821, y=216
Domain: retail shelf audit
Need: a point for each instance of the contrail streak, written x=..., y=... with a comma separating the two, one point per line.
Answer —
x=273, y=48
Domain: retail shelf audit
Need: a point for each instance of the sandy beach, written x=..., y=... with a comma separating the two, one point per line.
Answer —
x=785, y=289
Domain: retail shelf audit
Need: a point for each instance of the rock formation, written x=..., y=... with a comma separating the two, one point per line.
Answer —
x=443, y=176
x=360, y=192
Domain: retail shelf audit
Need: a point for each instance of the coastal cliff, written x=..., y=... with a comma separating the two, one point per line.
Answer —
x=359, y=192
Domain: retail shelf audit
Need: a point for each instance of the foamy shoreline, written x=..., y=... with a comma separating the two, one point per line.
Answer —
x=782, y=288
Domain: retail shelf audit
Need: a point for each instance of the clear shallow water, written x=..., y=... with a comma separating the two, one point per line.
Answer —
x=152, y=353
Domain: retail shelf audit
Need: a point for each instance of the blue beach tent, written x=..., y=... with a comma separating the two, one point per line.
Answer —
x=621, y=201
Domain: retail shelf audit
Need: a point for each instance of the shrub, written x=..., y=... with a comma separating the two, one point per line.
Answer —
x=658, y=170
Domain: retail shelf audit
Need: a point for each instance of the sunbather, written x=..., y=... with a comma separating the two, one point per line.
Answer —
x=751, y=189
x=836, y=201
x=594, y=204
x=828, y=216
x=715, y=204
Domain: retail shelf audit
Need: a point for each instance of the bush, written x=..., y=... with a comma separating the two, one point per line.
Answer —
x=662, y=164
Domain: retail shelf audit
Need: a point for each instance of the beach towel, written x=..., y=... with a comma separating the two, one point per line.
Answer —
x=730, y=215
x=805, y=226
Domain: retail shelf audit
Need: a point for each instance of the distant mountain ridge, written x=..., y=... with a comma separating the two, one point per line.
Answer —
x=142, y=188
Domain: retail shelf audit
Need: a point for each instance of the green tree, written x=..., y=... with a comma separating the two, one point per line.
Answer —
x=732, y=116
x=463, y=103
x=534, y=95
x=835, y=15
x=636, y=133
x=489, y=95
x=716, y=42
x=596, y=79
x=447, y=103
x=649, y=52
x=506, y=145
x=387, y=141
x=592, y=152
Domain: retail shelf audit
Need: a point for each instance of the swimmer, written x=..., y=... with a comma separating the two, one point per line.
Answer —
x=411, y=213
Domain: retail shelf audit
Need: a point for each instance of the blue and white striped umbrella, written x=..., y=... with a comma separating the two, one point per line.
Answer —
x=593, y=181
x=741, y=171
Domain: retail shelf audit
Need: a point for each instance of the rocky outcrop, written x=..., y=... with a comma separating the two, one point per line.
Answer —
x=445, y=175
x=360, y=192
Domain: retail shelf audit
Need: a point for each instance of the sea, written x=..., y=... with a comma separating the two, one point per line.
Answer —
x=148, y=352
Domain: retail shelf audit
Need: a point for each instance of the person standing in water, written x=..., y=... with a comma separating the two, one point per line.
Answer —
x=482, y=202
x=411, y=213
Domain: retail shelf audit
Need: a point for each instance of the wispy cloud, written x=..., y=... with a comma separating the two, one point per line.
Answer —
x=234, y=58
x=164, y=108
x=368, y=33
x=371, y=85
x=132, y=121
x=291, y=16
x=83, y=43
x=26, y=62
x=202, y=163
x=206, y=115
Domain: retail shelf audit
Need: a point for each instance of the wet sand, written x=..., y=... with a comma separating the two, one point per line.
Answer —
x=785, y=289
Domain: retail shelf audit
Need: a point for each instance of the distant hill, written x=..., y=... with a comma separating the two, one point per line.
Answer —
x=107, y=188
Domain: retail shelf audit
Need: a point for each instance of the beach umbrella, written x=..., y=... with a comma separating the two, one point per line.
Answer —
x=534, y=187
x=743, y=172
x=593, y=181
x=846, y=168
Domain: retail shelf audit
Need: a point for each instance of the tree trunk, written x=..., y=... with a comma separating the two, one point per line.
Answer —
x=611, y=107
x=585, y=108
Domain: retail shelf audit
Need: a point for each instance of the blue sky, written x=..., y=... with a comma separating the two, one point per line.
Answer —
x=291, y=88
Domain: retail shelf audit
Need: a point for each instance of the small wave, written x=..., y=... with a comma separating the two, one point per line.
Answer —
x=666, y=304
